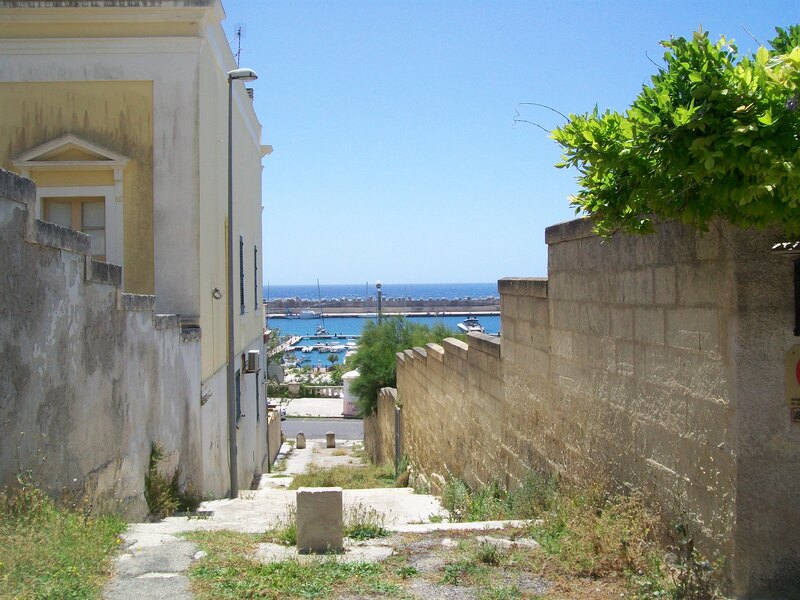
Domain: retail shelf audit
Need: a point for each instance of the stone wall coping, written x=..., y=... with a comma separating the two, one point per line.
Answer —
x=388, y=391
x=456, y=347
x=166, y=321
x=535, y=287
x=16, y=188
x=190, y=334
x=401, y=356
x=103, y=272
x=63, y=238
x=435, y=351
x=419, y=352
x=485, y=343
x=569, y=230
x=137, y=302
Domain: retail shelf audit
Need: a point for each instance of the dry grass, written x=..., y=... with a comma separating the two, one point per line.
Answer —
x=347, y=477
x=52, y=552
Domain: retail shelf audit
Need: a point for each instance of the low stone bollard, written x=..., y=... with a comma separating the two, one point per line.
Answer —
x=301, y=440
x=320, y=525
x=330, y=439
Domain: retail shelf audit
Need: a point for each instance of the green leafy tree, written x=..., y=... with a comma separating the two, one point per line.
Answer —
x=714, y=134
x=375, y=358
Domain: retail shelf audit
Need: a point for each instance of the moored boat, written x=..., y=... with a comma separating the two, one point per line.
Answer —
x=472, y=324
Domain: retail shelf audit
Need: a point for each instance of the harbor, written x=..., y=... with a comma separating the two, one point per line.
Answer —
x=352, y=325
x=309, y=343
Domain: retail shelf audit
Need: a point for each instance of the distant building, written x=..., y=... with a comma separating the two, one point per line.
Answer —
x=118, y=111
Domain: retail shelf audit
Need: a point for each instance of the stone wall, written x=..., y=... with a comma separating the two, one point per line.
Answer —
x=90, y=376
x=379, y=429
x=656, y=361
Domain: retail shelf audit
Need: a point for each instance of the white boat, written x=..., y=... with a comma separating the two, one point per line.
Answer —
x=471, y=324
x=337, y=347
x=307, y=313
x=307, y=349
x=321, y=330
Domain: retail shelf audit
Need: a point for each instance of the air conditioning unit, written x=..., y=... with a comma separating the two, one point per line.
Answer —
x=253, y=364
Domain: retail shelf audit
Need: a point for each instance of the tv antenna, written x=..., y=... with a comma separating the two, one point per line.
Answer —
x=240, y=31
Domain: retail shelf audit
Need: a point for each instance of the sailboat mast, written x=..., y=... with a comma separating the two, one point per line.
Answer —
x=319, y=295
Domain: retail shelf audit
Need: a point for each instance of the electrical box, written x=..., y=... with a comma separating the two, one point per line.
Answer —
x=253, y=364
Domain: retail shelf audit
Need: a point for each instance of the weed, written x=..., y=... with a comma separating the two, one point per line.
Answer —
x=455, y=499
x=694, y=576
x=488, y=554
x=162, y=493
x=363, y=523
x=460, y=572
x=51, y=552
x=422, y=487
x=347, y=477
x=406, y=571
x=435, y=518
x=491, y=502
x=339, y=452
x=502, y=593
x=227, y=572
x=286, y=530
x=594, y=533
x=403, y=466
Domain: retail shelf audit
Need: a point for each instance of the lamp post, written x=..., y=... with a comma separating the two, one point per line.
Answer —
x=235, y=75
x=378, y=287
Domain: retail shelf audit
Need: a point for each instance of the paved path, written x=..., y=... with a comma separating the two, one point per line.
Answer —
x=314, y=407
x=345, y=429
x=154, y=558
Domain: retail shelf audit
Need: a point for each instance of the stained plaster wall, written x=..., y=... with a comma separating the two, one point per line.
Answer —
x=90, y=376
x=657, y=361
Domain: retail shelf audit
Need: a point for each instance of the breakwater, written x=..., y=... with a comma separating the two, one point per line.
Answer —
x=398, y=306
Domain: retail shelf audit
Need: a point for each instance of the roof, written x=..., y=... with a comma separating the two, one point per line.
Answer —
x=104, y=3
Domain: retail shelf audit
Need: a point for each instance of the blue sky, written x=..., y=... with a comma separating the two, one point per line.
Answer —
x=395, y=156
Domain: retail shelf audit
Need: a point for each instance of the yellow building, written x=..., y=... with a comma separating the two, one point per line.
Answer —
x=118, y=112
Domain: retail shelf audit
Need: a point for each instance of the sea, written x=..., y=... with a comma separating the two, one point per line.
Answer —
x=352, y=291
x=348, y=326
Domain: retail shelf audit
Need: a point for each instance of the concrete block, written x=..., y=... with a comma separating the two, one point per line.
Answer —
x=664, y=282
x=320, y=526
x=635, y=287
x=707, y=244
x=300, y=443
x=622, y=323
x=648, y=325
x=561, y=343
x=330, y=439
x=523, y=286
x=569, y=230
x=707, y=283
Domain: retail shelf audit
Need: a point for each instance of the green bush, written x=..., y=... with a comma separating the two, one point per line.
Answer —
x=714, y=135
x=376, y=360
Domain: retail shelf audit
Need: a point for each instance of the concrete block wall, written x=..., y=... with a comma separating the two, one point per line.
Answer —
x=379, y=439
x=656, y=361
x=90, y=376
x=453, y=410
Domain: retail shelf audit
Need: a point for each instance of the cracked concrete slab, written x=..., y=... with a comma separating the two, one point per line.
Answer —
x=152, y=567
